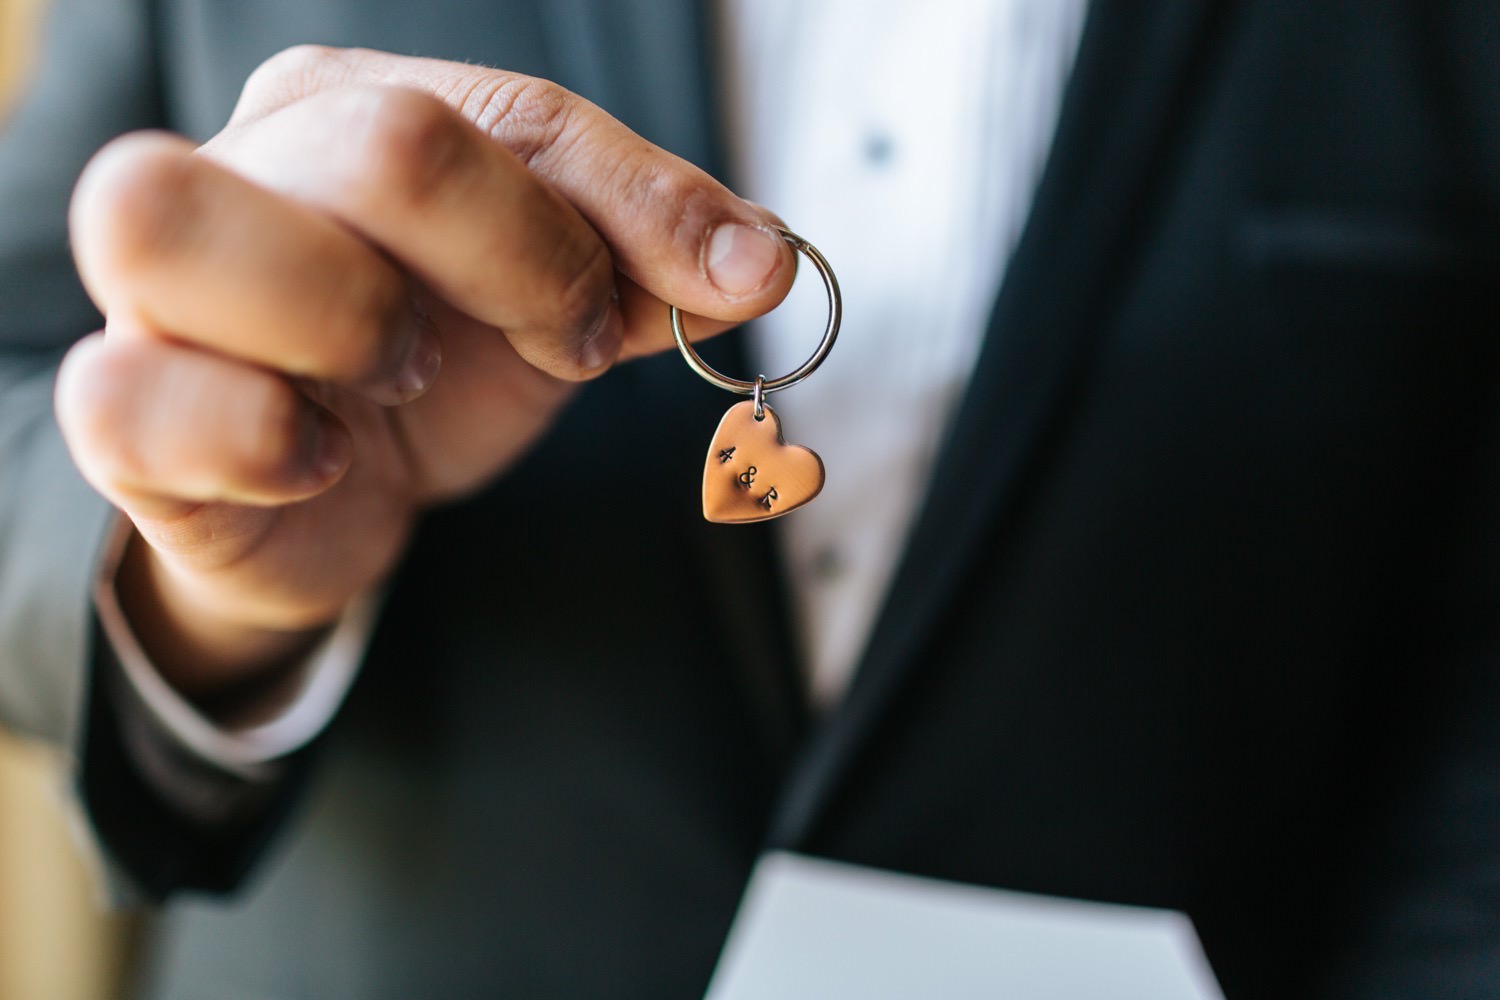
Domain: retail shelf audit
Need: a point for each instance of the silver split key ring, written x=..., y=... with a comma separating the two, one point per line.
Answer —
x=835, y=317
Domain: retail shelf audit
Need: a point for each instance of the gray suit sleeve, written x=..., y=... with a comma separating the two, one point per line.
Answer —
x=97, y=79
x=94, y=81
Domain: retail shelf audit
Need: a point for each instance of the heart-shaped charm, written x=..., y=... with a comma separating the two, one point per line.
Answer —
x=752, y=474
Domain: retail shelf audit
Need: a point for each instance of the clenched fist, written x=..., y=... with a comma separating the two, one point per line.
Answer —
x=373, y=290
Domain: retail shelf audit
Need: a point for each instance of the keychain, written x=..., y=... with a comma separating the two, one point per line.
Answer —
x=751, y=473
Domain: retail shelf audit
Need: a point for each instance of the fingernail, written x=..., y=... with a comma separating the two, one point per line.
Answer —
x=739, y=259
x=602, y=346
x=424, y=356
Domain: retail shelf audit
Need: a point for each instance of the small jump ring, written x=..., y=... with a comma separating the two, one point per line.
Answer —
x=760, y=397
x=762, y=385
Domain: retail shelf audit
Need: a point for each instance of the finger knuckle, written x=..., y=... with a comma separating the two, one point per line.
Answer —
x=404, y=145
x=287, y=74
x=97, y=401
x=138, y=202
x=527, y=115
x=657, y=190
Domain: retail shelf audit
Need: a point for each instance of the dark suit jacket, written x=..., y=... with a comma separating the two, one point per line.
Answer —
x=1201, y=611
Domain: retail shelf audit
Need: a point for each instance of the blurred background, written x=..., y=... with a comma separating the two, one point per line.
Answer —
x=55, y=942
x=17, y=28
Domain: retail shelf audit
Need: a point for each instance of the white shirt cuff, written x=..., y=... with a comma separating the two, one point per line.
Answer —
x=313, y=693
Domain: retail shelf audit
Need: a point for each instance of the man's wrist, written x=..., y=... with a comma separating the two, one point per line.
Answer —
x=272, y=716
x=214, y=664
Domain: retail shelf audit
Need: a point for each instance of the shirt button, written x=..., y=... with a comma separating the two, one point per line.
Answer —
x=827, y=564
x=878, y=148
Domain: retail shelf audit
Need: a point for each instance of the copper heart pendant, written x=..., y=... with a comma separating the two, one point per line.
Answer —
x=752, y=474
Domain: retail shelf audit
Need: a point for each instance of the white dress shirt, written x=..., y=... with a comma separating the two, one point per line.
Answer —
x=905, y=141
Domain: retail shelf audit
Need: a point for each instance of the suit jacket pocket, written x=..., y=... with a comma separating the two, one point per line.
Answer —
x=1366, y=240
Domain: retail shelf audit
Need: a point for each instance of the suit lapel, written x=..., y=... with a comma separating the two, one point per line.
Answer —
x=1129, y=93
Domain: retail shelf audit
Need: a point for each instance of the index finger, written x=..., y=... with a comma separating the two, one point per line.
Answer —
x=671, y=228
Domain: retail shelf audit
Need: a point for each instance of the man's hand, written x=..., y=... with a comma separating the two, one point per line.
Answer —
x=265, y=403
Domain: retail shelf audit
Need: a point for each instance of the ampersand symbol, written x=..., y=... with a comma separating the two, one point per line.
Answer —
x=748, y=476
